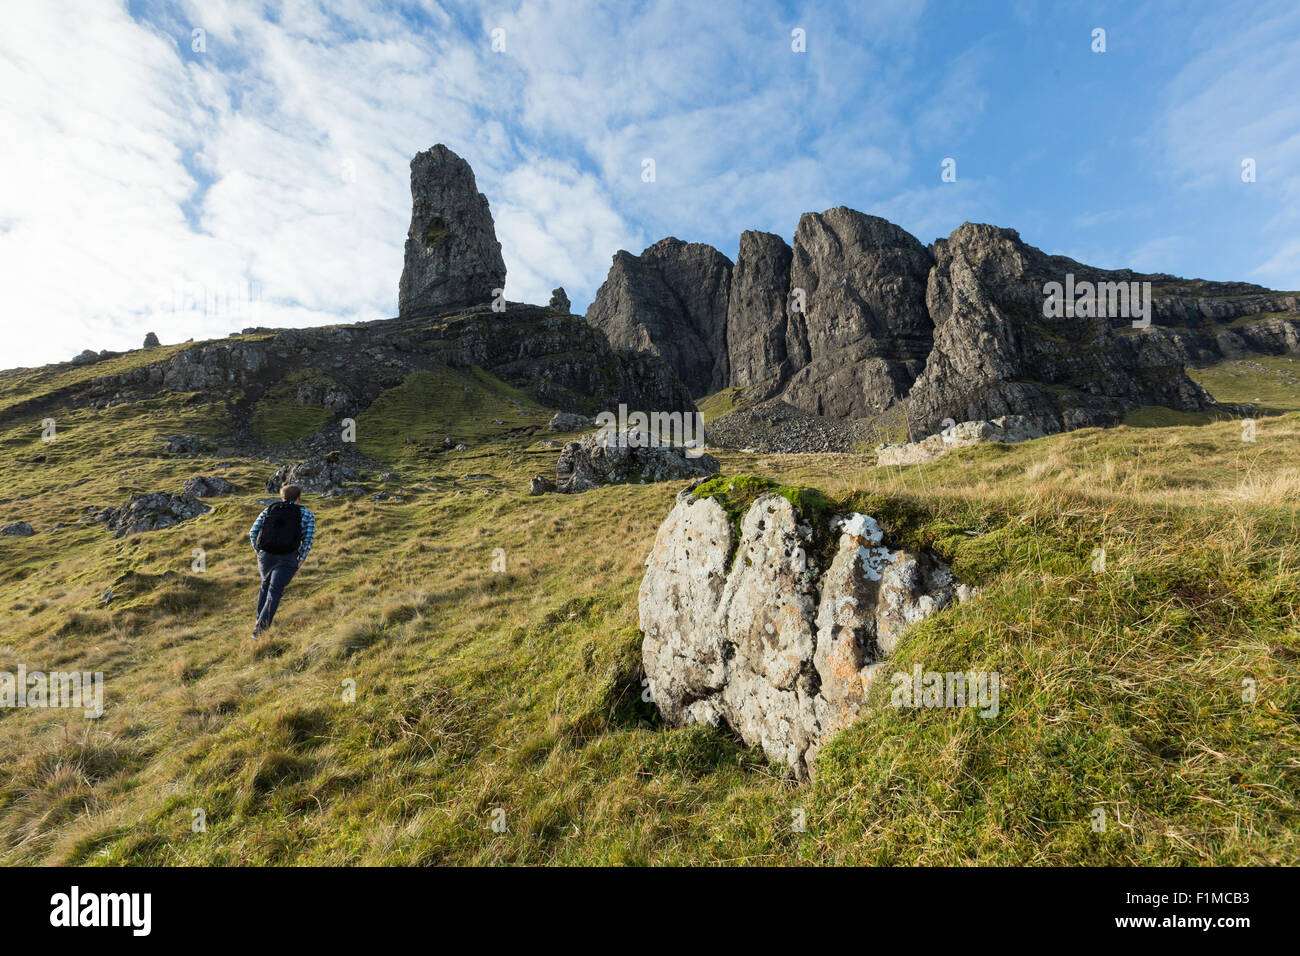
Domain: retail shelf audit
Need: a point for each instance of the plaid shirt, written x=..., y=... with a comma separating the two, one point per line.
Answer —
x=308, y=531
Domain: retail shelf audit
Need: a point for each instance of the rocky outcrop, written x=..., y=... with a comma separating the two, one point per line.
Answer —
x=325, y=475
x=453, y=258
x=756, y=313
x=559, y=301
x=996, y=353
x=864, y=334
x=151, y=341
x=568, y=422
x=1010, y=429
x=670, y=301
x=151, y=512
x=599, y=459
x=201, y=486
x=182, y=444
x=781, y=640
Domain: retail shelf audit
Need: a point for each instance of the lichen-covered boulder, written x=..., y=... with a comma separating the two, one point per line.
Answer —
x=20, y=529
x=775, y=640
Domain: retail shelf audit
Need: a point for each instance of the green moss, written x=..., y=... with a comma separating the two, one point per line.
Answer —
x=435, y=231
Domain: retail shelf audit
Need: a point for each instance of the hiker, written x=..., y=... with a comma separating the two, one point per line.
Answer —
x=282, y=536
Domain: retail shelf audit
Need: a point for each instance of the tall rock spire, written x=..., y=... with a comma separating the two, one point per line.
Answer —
x=452, y=255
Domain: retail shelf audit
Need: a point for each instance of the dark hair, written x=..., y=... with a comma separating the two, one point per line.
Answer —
x=291, y=492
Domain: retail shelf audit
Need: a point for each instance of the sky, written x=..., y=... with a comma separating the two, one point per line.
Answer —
x=192, y=169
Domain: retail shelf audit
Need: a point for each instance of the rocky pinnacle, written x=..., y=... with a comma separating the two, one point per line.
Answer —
x=453, y=258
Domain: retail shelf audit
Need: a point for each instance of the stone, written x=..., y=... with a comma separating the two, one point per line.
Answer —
x=670, y=301
x=153, y=511
x=19, y=529
x=599, y=459
x=559, y=301
x=86, y=357
x=453, y=258
x=151, y=341
x=183, y=444
x=1009, y=429
x=781, y=640
x=201, y=486
x=568, y=422
x=324, y=474
x=540, y=485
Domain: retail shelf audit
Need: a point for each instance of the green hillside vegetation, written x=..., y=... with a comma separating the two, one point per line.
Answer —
x=492, y=641
x=280, y=417
x=1271, y=383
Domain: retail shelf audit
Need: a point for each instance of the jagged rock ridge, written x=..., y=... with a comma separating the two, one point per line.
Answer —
x=859, y=319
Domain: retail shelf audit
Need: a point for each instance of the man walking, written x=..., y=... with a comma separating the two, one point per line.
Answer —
x=282, y=536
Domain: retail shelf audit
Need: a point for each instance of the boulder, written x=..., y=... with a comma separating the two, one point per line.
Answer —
x=1008, y=429
x=540, y=485
x=20, y=529
x=86, y=357
x=670, y=301
x=152, y=512
x=183, y=444
x=453, y=258
x=201, y=486
x=324, y=474
x=568, y=422
x=782, y=639
x=600, y=459
x=559, y=301
x=151, y=341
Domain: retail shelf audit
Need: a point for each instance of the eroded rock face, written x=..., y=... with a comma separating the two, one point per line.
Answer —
x=1009, y=429
x=453, y=257
x=778, y=648
x=670, y=301
x=995, y=353
x=595, y=461
x=864, y=334
x=756, y=312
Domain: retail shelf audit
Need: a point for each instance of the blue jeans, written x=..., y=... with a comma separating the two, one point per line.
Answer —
x=277, y=571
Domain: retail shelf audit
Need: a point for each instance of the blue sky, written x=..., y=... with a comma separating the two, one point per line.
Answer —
x=261, y=179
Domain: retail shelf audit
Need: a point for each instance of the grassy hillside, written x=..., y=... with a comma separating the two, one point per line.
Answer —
x=492, y=641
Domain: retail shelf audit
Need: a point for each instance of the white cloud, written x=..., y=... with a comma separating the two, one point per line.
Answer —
x=142, y=175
